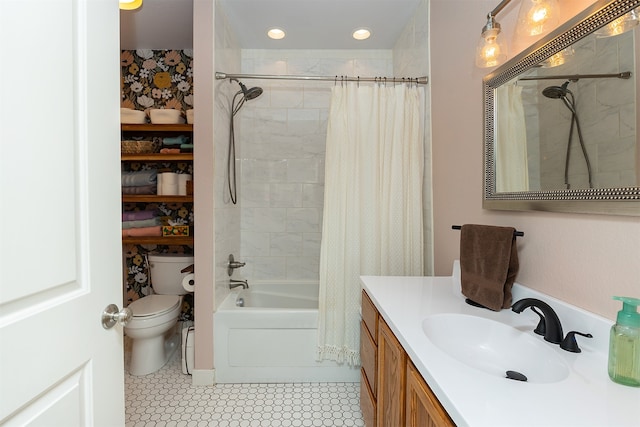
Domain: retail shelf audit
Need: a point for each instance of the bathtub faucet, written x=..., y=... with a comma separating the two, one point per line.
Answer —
x=235, y=283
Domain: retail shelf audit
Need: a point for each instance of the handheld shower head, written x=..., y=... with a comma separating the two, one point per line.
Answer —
x=556, y=92
x=250, y=94
x=560, y=92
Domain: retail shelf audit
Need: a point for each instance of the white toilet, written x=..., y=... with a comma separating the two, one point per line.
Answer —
x=152, y=327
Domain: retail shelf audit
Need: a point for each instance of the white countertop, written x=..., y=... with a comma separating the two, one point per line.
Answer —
x=587, y=397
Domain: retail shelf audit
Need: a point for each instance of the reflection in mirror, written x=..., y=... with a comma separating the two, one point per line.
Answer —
x=561, y=121
x=575, y=123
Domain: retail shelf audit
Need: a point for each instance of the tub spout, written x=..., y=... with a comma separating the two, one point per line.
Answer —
x=235, y=283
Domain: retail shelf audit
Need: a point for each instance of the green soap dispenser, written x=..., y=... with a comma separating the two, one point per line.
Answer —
x=624, y=344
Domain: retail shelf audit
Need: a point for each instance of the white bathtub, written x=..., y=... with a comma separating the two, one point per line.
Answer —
x=273, y=338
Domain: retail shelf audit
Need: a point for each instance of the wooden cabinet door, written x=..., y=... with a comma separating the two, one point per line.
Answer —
x=423, y=408
x=391, y=378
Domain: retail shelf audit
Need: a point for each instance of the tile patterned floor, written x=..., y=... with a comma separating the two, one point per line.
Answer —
x=167, y=398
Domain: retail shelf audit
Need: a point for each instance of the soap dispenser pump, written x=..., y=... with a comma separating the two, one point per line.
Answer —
x=624, y=344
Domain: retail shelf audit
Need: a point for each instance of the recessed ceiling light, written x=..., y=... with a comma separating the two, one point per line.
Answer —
x=276, y=33
x=361, y=34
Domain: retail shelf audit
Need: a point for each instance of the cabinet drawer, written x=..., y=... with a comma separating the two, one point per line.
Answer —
x=370, y=316
x=368, y=357
x=367, y=402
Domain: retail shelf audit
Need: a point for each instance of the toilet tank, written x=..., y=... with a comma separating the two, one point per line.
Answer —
x=166, y=278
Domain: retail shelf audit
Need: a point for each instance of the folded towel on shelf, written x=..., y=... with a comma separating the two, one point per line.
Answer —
x=138, y=178
x=141, y=189
x=176, y=140
x=169, y=150
x=143, y=232
x=186, y=148
x=141, y=223
x=488, y=264
x=138, y=215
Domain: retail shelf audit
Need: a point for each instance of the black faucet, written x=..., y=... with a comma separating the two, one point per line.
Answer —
x=553, y=328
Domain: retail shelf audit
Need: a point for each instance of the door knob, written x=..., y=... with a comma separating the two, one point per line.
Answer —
x=112, y=315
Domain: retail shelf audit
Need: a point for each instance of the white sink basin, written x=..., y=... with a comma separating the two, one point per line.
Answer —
x=494, y=348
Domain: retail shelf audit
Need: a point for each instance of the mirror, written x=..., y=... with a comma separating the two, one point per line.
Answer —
x=561, y=124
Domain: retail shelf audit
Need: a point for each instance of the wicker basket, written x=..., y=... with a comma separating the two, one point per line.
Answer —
x=139, y=147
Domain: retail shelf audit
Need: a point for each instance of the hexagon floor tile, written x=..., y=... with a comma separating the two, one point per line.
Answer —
x=167, y=398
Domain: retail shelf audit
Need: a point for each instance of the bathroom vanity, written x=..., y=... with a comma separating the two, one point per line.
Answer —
x=392, y=391
x=430, y=359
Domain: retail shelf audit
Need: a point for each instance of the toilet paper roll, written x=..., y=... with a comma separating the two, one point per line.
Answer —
x=182, y=183
x=188, y=283
x=169, y=189
x=170, y=185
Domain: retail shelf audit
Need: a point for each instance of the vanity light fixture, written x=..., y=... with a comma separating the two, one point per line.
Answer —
x=361, y=34
x=130, y=4
x=491, y=50
x=626, y=22
x=537, y=17
x=276, y=33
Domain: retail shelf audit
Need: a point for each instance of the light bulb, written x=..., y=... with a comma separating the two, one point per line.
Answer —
x=620, y=25
x=491, y=51
x=537, y=17
x=130, y=4
x=558, y=59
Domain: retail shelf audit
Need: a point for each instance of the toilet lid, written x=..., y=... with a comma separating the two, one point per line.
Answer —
x=153, y=305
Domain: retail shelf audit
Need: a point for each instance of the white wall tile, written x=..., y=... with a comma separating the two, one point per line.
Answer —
x=286, y=244
x=286, y=195
x=303, y=219
x=261, y=219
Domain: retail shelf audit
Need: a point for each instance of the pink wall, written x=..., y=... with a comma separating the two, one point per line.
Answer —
x=203, y=188
x=581, y=259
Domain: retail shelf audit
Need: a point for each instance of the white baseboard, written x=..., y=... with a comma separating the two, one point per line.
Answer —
x=203, y=377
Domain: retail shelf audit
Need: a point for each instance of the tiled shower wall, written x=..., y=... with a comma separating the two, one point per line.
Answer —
x=281, y=143
x=227, y=215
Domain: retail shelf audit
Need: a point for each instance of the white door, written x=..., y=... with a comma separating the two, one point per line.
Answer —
x=60, y=262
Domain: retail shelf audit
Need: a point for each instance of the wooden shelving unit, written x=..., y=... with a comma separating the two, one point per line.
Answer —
x=152, y=198
x=157, y=157
x=154, y=129
x=158, y=240
x=147, y=127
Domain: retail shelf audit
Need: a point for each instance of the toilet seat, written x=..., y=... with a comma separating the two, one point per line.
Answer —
x=154, y=305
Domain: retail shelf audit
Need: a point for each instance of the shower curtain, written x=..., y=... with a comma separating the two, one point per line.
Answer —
x=512, y=170
x=372, y=219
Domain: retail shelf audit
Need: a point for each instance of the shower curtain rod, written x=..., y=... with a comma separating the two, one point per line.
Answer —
x=576, y=77
x=416, y=80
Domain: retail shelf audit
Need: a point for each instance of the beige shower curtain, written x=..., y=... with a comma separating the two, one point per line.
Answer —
x=372, y=220
x=512, y=170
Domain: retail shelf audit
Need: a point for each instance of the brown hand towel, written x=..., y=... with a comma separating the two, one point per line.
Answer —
x=488, y=264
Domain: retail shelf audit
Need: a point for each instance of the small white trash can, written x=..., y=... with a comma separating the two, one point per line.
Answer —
x=187, y=347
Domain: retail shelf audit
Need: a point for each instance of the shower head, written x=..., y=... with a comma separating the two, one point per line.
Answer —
x=556, y=92
x=250, y=94
x=560, y=92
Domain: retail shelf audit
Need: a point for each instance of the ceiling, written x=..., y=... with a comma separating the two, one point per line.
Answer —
x=309, y=24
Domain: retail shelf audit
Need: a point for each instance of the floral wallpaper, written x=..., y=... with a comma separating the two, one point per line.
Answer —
x=157, y=79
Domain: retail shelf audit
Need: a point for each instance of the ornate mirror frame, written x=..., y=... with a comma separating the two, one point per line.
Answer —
x=612, y=201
